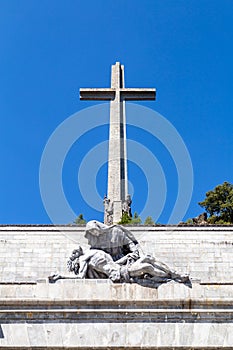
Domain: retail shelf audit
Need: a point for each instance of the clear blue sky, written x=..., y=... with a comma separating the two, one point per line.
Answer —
x=49, y=49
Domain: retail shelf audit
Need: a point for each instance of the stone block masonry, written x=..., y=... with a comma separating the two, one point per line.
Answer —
x=97, y=314
x=28, y=253
x=94, y=314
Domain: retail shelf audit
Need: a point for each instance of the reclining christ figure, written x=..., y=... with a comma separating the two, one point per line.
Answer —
x=115, y=254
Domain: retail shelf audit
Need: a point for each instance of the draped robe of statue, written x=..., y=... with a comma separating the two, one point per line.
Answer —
x=115, y=240
x=116, y=254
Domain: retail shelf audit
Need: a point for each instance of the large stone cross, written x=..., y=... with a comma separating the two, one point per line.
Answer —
x=118, y=199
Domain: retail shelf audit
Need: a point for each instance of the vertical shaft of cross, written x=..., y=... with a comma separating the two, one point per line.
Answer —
x=117, y=157
x=118, y=201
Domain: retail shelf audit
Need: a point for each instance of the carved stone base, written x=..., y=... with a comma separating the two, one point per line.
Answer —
x=97, y=314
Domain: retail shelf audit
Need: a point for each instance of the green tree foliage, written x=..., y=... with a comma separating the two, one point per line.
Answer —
x=189, y=221
x=80, y=220
x=149, y=221
x=219, y=204
x=125, y=219
x=136, y=220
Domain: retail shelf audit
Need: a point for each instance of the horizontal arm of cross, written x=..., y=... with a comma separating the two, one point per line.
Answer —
x=97, y=94
x=125, y=93
x=137, y=94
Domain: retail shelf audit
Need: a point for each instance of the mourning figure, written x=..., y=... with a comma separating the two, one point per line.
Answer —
x=115, y=254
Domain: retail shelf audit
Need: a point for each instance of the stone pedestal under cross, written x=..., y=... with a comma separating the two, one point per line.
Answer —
x=118, y=199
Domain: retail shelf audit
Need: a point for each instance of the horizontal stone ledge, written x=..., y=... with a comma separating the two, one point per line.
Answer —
x=159, y=304
x=117, y=316
x=215, y=283
x=30, y=282
x=104, y=292
x=138, y=228
x=114, y=347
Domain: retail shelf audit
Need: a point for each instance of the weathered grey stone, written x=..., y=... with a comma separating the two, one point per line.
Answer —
x=118, y=199
x=195, y=252
x=37, y=334
x=99, y=313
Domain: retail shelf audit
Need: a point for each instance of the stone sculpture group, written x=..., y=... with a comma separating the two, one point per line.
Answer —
x=115, y=254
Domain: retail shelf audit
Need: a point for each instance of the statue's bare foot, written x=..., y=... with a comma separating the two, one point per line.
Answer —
x=188, y=283
x=182, y=279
